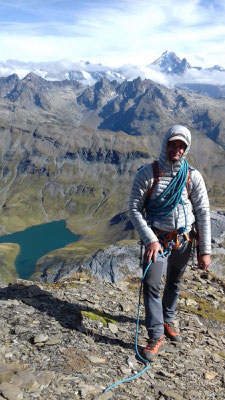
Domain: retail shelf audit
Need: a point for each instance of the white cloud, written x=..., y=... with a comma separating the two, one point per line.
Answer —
x=117, y=33
x=203, y=76
x=59, y=71
x=190, y=76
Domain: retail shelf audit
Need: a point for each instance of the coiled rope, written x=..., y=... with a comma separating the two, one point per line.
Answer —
x=169, y=199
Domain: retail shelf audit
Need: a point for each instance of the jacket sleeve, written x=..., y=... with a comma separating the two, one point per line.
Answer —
x=201, y=210
x=136, y=204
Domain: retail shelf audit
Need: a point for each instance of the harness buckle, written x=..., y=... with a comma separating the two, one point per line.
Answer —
x=172, y=237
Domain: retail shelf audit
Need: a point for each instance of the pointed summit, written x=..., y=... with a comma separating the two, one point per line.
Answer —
x=33, y=78
x=169, y=63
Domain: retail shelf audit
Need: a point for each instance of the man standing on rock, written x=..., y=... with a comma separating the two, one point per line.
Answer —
x=167, y=198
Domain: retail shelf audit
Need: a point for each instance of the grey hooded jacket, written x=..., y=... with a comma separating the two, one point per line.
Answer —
x=195, y=202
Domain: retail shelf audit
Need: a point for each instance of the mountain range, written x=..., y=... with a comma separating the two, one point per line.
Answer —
x=168, y=70
x=138, y=107
x=70, y=151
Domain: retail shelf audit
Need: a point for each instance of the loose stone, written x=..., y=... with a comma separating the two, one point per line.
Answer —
x=40, y=338
x=113, y=327
x=10, y=392
x=210, y=375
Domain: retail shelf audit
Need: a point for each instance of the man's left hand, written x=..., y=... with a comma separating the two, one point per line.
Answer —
x=204, y=261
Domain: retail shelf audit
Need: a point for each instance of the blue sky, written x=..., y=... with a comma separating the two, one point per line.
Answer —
x=113, y=32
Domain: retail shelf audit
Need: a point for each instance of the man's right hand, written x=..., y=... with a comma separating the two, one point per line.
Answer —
x=152, y=251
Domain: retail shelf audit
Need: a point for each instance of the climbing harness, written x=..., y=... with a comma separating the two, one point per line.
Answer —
x=173, y=238
x=166, y=252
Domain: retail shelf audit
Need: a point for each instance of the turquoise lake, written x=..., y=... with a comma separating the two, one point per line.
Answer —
x=37, y=241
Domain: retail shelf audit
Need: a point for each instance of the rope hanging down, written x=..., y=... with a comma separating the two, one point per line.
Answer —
x=168, y=200
x=166, y=252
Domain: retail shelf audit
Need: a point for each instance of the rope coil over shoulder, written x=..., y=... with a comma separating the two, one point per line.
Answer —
x=169, y=199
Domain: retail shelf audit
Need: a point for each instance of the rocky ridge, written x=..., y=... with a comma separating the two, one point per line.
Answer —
x=120, y=259
x=138, y=107
x=72, y=339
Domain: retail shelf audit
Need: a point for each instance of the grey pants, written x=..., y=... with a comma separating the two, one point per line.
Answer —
x=161, y=309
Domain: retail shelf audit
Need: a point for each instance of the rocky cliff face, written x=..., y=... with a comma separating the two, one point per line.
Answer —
x=74, y=338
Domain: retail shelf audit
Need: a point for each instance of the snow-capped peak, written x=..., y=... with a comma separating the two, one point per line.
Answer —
x=169, y=63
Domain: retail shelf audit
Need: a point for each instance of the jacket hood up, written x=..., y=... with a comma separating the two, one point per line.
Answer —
x=176, y=130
